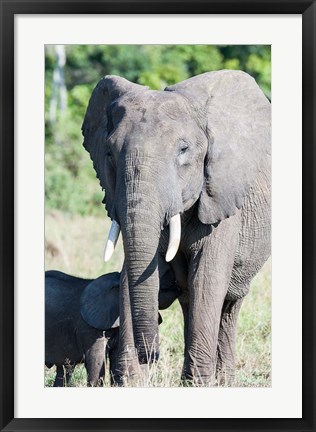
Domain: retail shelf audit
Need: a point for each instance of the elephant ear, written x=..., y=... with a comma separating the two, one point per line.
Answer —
x=236, y=118
x=98, y=123
x=99, y=302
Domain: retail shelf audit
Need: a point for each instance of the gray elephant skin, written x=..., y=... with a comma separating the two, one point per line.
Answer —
x=82, y=322
x=70, y=339
x=191, y=162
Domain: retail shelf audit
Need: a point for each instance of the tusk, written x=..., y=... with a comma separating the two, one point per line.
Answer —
x=112, y=240
x=174, y=237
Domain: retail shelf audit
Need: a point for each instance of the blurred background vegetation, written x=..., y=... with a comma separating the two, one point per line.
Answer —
x=71, y=73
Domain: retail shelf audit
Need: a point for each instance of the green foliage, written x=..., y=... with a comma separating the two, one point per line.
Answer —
x=253, y=59
x=70, y=182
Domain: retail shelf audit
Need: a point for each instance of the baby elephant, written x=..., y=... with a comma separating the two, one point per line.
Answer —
x=68, y=337
x=82, y=322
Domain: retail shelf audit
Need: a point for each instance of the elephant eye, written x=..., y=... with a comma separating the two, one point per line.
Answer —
x=183, y=146
x=182, y=158
x=183, y=149
x=109, y=156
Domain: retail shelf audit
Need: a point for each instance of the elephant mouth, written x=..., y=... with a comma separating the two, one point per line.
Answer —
x=173, y=245
x=189, y=202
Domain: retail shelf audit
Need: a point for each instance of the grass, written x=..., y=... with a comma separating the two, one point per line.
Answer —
x=75, y=245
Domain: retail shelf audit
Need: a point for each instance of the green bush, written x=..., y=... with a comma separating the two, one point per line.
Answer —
x=70, y=182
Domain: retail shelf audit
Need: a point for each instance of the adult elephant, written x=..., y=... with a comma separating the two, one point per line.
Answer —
x=190, y=164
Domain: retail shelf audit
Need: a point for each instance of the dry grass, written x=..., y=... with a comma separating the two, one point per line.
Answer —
x=75, y=245
x=79, y=242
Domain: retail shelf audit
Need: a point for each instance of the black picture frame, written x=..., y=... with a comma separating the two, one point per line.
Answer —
x=8, y=9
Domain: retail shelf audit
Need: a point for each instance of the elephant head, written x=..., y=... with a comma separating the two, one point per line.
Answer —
x=196, y=145
x=99, y=302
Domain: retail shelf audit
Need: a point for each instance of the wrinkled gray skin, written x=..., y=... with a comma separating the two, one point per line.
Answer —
x=82, y=322
x=200, y=148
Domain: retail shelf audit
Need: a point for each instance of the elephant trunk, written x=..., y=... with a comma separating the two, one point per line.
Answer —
x=142, y=272
x=141, y=224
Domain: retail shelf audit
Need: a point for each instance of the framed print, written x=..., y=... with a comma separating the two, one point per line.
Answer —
x=54, y=56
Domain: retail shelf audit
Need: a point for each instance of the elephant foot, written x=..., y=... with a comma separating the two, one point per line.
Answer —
x=225, y=377
x=96, y=383
x=197, y=379
x=137, y=377
x=63, y=376
x=59, y=382
x=132, y=374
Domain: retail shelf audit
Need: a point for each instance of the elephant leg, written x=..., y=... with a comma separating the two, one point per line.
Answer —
x=111, y=352
x=185, y=310
x=95, y=362
x=59, y=379
x=138, y=375
x=202, y=334
x=63, y=375
x=225, y=365
x=128, y=368
x=111, y=360
x=209, y=276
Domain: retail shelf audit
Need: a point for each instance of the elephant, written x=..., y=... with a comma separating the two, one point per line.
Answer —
x=69, y=339
x=186, y=175
x=82, y=322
